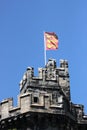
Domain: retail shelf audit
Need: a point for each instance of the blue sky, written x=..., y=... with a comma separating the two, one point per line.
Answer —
x=22, y=23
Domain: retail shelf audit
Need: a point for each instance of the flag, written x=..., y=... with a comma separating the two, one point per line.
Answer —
x=51, y=40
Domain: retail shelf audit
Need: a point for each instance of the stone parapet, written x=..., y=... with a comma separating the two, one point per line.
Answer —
x=41, y=97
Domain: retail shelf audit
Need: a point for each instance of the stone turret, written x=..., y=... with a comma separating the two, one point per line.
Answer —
x=44, y=102
x=48, y=75
x=64, y=81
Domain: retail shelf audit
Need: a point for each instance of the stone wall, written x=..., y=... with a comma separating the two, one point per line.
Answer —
x=44, y=102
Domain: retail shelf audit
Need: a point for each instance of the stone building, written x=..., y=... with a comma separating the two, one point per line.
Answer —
x=44, y=102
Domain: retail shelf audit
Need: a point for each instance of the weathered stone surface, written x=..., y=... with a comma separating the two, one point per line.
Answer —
x=44, y=102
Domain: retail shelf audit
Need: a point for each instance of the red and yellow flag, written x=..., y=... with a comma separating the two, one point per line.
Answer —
x=51, y=40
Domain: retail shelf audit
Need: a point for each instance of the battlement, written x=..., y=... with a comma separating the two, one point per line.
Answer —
x=50, y=76
x=48, y=93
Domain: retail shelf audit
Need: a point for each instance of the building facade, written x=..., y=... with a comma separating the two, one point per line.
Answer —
x=44, y=102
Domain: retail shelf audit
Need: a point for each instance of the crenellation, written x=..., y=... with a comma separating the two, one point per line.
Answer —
x=63, y=63
x=44, y=100
x=26, y=77
x=25, y=101
x=40, y=72
x=51, y=64
x=44, y=74
x=5, y=107
x=30, y=72
x=14, y=111
x=79, y=110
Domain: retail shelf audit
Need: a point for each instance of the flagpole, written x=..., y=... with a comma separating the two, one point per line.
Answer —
x=44, y=49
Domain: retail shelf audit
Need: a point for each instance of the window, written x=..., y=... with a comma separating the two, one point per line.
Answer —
x=36, y=100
